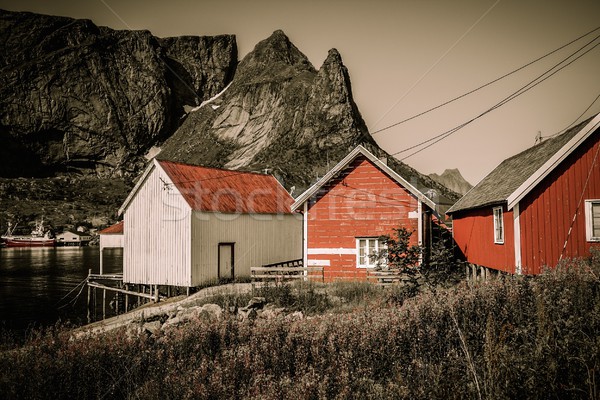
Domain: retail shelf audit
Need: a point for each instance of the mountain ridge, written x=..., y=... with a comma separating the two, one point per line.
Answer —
x=453, y=180
x=91, y=101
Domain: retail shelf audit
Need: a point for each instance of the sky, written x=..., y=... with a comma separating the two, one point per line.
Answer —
x=408, y=56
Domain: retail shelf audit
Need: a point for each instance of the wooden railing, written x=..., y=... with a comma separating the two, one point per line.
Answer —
x=286, y=270
x=385, y=277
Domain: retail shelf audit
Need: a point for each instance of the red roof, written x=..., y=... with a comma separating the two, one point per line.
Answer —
x=219, y=190
x=116, y=229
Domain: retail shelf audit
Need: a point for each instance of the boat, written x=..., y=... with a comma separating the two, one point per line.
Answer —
x=38, y=237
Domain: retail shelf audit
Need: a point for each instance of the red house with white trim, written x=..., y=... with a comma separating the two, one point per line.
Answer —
x=355, y=203
x=535, y=208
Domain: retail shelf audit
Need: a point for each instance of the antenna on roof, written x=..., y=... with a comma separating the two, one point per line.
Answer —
x=538, y=137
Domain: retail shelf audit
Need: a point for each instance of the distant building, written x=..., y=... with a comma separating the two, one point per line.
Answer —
x=356, y=202
x=110, y=238
x=187, y=225
x=536, y=207
x=68, y=238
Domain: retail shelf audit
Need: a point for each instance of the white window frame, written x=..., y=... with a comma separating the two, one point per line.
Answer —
x=589, y=221
x=498, y=215
x=379, y=245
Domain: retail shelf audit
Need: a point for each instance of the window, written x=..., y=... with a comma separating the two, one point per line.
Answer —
x=592, y=220
x=367, y=251
x=498, y=226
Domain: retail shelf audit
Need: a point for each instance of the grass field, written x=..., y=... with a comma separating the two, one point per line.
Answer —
x=509, y=338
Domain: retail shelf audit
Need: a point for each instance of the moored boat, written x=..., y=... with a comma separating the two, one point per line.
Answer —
x=38, y=237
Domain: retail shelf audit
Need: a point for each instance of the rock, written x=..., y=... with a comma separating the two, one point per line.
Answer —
x=270, y=311
x=151, y=327
x=172, y=322
x=245, y=314
x=256, y=303
x=78, y=96
x=213, y=311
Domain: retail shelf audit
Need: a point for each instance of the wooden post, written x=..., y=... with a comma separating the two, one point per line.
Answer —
x=126, y=298
x=156, y=293
x=88, y=298
x=101, y=261
x=103, y=303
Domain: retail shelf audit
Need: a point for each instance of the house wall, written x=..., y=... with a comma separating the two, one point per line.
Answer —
x=157, y=238
x=259, y=239
x=548, y=210
x=473, y=232
x=361, y=202
x=111, y=241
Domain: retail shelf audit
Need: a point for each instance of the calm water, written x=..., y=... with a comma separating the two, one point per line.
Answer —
x=34, y=281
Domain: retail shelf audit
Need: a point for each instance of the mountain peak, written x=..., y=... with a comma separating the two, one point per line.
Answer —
x=452, y=179
x=278, y=49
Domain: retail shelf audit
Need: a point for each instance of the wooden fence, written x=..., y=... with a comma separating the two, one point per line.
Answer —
x=386, y=277
x=287, y=270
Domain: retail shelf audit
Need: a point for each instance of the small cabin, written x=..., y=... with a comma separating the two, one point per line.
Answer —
x=68, y=238
x=537, y=207
x=187, y=225
x=110, y=238
x=347, y=211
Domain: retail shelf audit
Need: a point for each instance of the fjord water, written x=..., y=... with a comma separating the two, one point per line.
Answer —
x=34, y=282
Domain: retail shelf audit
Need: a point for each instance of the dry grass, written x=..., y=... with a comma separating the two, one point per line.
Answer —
x=514, y=337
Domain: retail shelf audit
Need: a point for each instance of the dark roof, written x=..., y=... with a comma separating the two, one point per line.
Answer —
x=226, y=191
x=496, y=187
x=116, y=229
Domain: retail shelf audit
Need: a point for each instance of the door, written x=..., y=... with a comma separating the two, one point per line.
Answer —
x=226, y=261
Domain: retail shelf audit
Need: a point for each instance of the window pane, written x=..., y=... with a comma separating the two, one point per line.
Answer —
x=596, y=220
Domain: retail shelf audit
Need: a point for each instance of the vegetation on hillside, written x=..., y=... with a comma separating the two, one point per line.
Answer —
x=511, y=337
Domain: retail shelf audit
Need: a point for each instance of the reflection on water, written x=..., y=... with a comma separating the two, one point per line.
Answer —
x=33, y=282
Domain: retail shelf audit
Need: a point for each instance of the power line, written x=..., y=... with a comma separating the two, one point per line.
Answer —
x=575, y=121
x=541, y=78
x=484, y=85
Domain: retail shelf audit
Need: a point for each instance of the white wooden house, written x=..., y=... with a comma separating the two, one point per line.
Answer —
x=68, y=238
x=187, y=225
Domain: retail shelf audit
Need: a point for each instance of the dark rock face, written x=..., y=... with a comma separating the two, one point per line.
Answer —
x=75, y=95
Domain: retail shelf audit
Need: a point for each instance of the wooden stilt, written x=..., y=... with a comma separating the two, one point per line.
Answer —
x=126, y=299
x=103, y=303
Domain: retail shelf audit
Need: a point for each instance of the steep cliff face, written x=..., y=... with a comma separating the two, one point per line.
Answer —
x=75, y=95
x=282, y=115
x=279, y=113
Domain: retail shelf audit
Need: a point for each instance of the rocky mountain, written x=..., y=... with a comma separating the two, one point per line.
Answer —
x=281, y=115
x=452, y=179
x=75, y=96
x=90, y=102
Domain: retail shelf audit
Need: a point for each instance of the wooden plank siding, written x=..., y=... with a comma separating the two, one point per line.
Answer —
x=259, y=239
x=473, y=232
x=547, y=211
x=157, y=238
x=362, y=201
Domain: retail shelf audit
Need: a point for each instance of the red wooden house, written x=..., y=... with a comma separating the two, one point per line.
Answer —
x=536, y=207
x=348, y=209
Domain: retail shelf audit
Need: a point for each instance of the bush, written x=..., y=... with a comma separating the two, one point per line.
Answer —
x=513, y=337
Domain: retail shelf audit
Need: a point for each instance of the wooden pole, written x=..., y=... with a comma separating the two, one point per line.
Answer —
x=103, y=303
x=101, y=261
x=126, y=298
x=88, y=298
